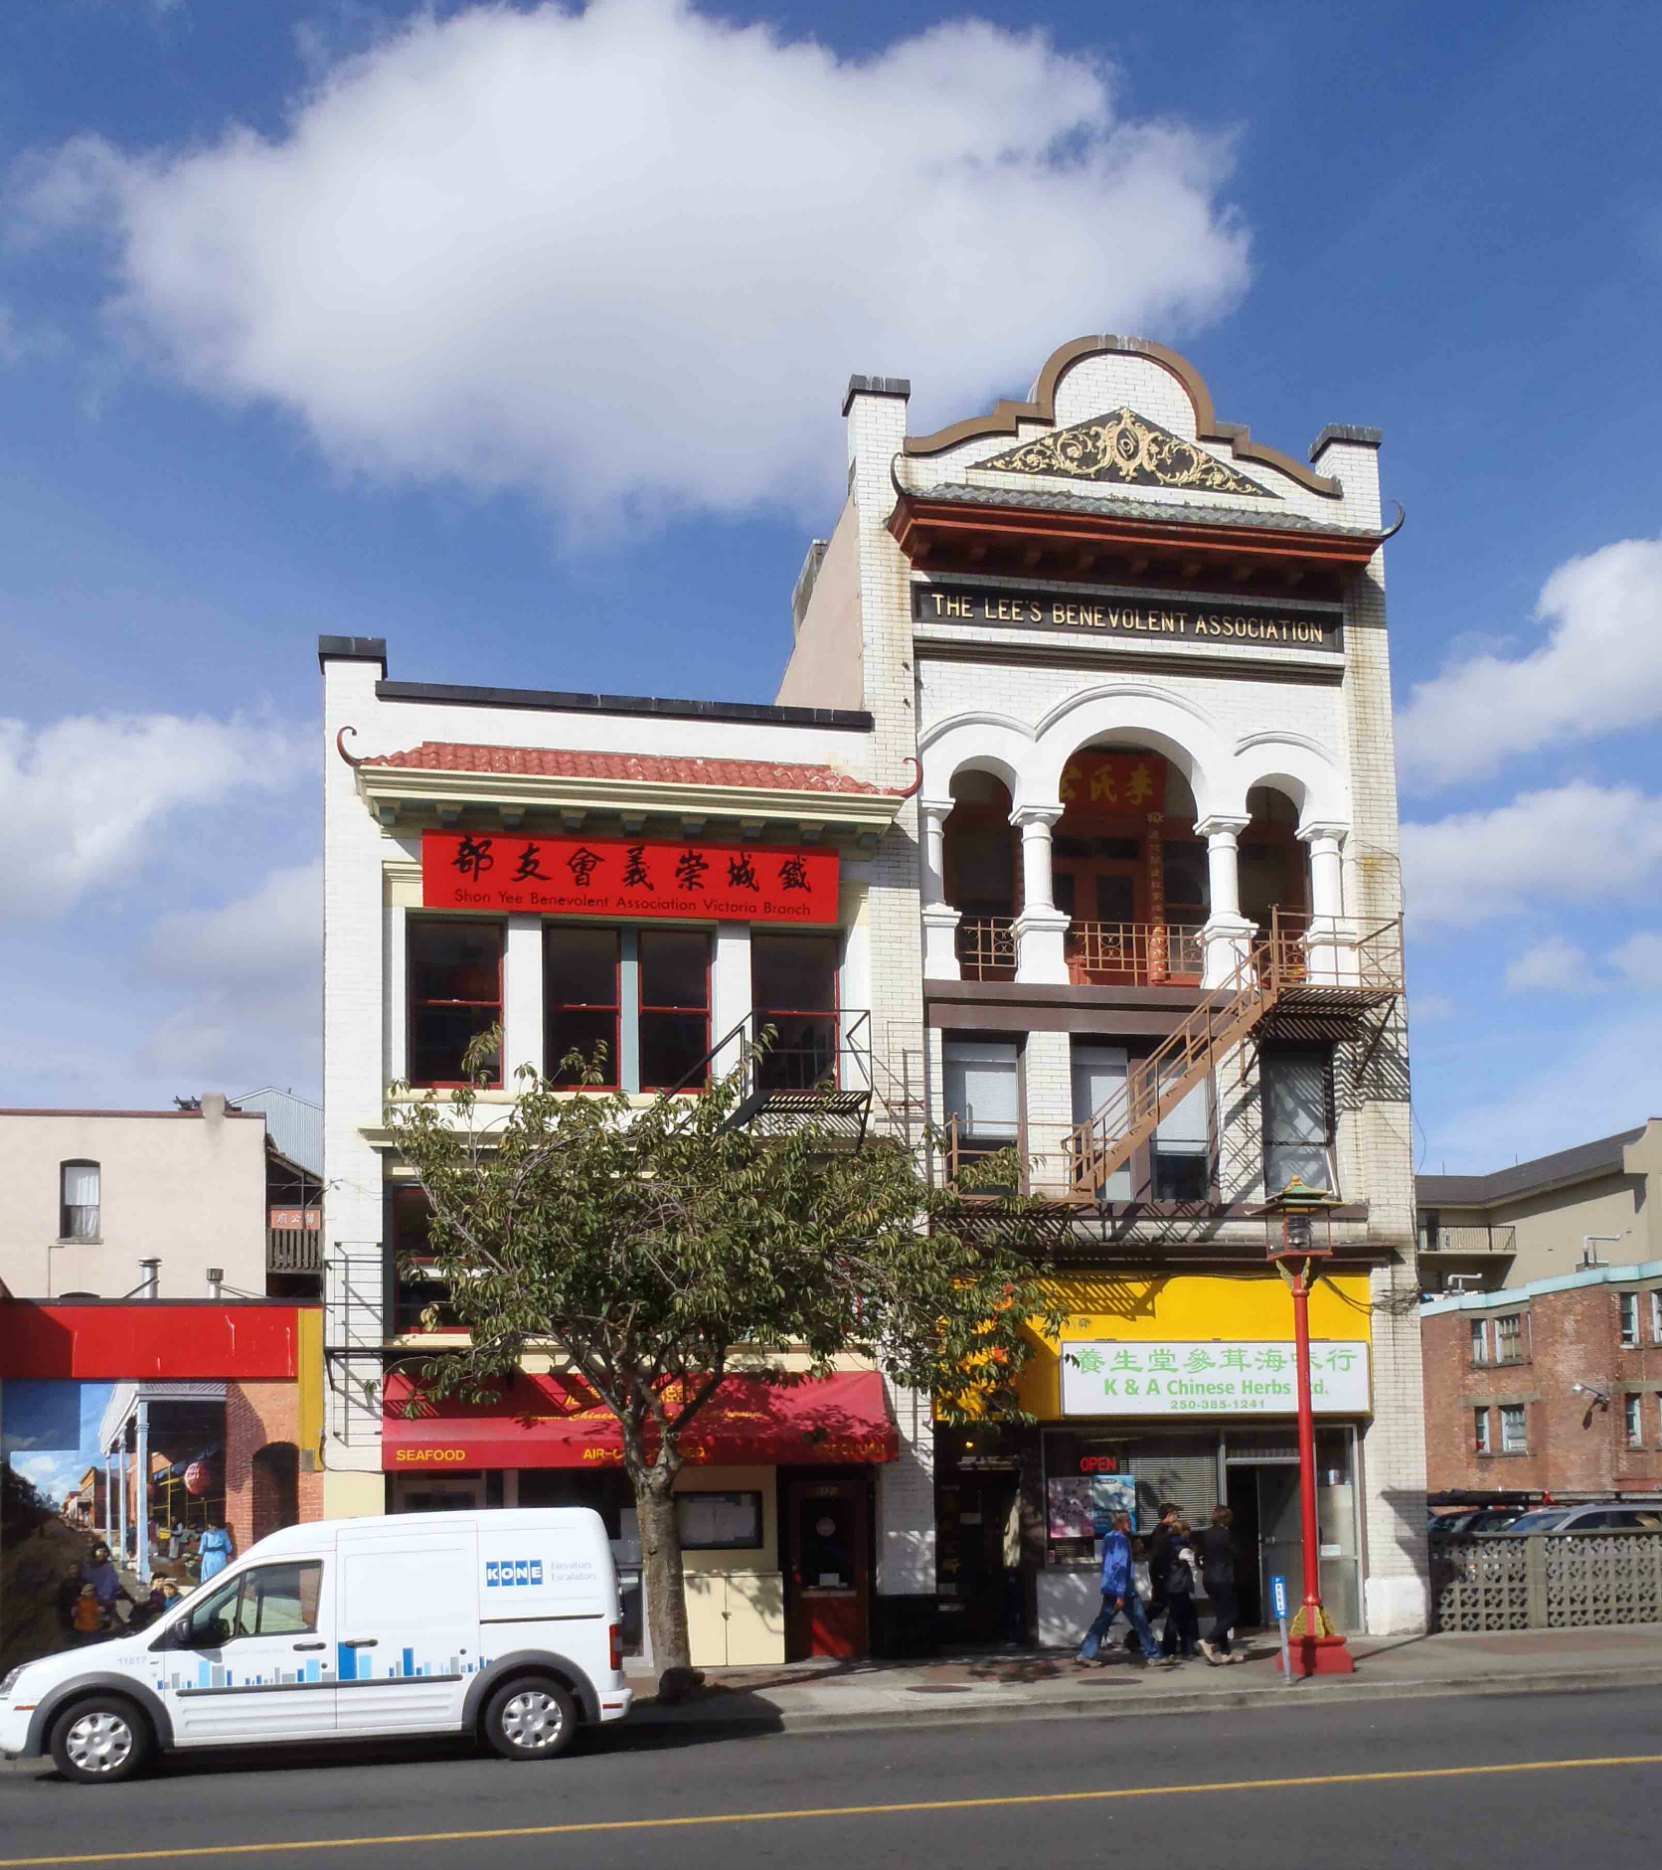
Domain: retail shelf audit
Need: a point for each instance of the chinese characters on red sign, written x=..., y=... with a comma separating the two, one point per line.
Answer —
x=1115, y=782
x=624, y=878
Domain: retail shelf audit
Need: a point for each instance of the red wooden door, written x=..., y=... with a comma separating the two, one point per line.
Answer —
x=829, y=1610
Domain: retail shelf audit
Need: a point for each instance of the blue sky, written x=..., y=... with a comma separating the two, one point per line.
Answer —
x=1444, y=221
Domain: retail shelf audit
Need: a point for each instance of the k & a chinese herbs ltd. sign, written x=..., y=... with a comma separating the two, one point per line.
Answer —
x=569, y=876
x=1141, y=619
x=1210, y=1378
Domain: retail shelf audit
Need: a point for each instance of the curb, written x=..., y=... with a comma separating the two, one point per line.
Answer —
x=987, y=1711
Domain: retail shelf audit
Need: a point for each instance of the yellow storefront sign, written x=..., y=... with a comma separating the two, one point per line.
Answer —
x=1201, y=1307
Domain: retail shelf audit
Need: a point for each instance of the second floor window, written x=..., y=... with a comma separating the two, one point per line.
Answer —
x=1298, y=1121
x=793, y=989
x=1629, y=1305
x=642, y=995
x=1514, y=1433
x=1481, y=1441
x=1182, y=1156
x=981, y=1090
x=1634, y=1420
x=79, y=1207
x=455, y=975
x=1480, y=1340
x=1509, y=1339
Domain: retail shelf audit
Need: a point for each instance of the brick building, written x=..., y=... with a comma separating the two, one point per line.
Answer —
x=1087, y=721
x=1504, y=1413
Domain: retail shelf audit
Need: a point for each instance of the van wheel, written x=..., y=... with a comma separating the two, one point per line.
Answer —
x=100, y=1741
x=530, y=1719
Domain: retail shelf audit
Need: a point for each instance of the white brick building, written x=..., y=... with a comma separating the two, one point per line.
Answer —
x=1089, y=699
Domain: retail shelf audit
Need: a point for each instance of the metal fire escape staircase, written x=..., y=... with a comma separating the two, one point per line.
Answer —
x=1332, y=971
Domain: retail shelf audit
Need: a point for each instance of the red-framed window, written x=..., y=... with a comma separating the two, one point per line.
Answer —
x=793, y=988
x=582, y=999
x=454, y=969
x=674, y=1028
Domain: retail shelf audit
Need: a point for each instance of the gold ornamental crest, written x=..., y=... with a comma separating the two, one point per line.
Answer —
x=1125, y=447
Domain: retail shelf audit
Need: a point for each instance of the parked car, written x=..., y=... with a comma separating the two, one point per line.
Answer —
x=1592, y=1516
x=501, y=1624
x=1474, y=1519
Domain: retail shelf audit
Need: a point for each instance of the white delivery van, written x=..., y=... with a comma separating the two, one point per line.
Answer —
x=503, y=1624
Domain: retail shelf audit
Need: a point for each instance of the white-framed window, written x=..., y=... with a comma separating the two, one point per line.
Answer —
x=1629, y=1304
x=1656, y=1316
x=1480, y=1340
x=80, y=1197
x=1480, y=1432
x=1181, y=1168
x=981, y=1086
x=1633, y=1420
x=1509, y=1339
x=1514, y=1431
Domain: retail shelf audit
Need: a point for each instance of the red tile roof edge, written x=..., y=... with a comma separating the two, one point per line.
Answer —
x=447, y=756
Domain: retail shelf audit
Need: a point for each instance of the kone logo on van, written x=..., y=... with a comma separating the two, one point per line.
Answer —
x=512, y=1571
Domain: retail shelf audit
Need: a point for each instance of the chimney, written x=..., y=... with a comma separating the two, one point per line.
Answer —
x=213, y=1107
x=149, y=1285
x=216, y=1281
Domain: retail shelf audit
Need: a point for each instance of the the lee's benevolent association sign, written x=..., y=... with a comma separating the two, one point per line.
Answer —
x=1168, y=619
x=621, y=877
x=1210, y=1378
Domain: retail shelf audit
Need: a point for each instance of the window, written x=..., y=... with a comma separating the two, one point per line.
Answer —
x=982, y=1091
x=1629, y=1303
x=270, y=1600
x=675, y=1009
x=719, y=1522
x=793, y=988
x=416, y=1287
x=582, y=1001
x=1182, y=1156
x=1514, y=1437
x=1656, y=1316
x=1509, y=1339
x=1633, y=1416
x=1480, y=1438
x=1099, y=1081
x=1480, y=1340
x=1298, y=1121
x=455, y=974
x=78, y=1200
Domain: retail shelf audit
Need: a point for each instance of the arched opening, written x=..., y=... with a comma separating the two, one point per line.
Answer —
x=1129, y=870
x=1274, y=867
x=982, y=867
x=276, y=1488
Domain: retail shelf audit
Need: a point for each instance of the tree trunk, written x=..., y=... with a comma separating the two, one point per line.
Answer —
x=666, y=1599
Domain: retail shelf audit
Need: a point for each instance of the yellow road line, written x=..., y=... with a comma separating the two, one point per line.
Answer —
x=834, y=1811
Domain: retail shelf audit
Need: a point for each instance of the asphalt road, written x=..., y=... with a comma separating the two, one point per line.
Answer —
x=1409, y=1783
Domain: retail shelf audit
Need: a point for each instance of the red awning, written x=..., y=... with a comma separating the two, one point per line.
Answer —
x=551, y=1421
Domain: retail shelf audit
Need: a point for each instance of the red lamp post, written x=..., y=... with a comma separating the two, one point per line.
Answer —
x=1317, y=1648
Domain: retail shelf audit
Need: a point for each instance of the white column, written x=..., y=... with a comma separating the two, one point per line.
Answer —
x=121, y=1475
x=522, y=997
x=940, y=920
x=1228, y=933
x=1041, y=926
x=730, y=990
x=1331, y=941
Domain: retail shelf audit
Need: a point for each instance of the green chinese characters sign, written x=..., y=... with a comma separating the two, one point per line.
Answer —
x=1216, y=1377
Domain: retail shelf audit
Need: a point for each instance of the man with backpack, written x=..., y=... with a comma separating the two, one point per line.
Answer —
x=1119, y=1592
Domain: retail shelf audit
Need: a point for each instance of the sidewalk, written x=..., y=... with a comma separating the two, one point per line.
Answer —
x=823, y=1696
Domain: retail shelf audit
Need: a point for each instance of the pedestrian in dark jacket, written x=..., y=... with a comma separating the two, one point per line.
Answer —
x=1217, y=1566
x=1119, y=1592
x=1159, y=1563
x=1182, y=1621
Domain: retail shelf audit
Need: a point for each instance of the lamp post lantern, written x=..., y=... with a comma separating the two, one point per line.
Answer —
x=1317, y=1648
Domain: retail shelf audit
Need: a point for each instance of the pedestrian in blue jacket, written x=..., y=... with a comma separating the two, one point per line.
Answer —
x=1119, y=1592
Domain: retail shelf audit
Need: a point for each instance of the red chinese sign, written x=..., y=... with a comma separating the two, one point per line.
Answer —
x=621, y=878
x=1115, y=782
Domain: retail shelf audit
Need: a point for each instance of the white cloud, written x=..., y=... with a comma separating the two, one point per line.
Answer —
x=1580, y=842
x=1555, y=965
x=1639, y=960
x=1604, y=1078
x=84, y=799
x=254, y=970
x=1599, y=670
x=1432, y=1009
x=633, y=252
x=275, y=932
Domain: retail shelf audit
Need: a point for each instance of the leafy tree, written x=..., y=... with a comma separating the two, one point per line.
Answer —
x=656, y=1249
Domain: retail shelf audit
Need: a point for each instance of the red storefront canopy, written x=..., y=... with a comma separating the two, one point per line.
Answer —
x=552, y=1421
